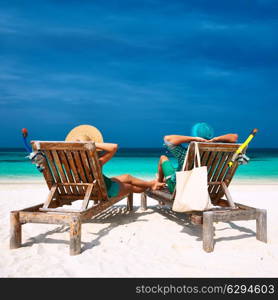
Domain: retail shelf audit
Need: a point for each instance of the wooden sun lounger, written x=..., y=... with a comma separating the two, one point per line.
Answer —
x=72, y=172
x=216, y=157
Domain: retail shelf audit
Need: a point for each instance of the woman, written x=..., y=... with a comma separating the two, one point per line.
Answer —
x=118, y=185
x=123, y=184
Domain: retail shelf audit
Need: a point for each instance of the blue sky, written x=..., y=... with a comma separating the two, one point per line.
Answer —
x=138, y=70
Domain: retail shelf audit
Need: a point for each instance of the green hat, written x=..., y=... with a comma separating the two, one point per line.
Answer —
x=202, y=130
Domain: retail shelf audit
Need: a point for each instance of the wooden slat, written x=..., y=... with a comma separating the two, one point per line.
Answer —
x=189, y=163
x=201, y=157
x=61, y=170
x=230, y=173
x=87, y=196
x=218, y=170
x=192, y=157
x=68, y=171
x=228, y=195
x=214, y=165
x=73, y=146
x=92, y=168
x=221, y=176
x=86, y=166
x=95, y=166
x=212, y=160
x=219, y=147
x=54, y=171
x=60, y=210
x=68, y=198
x=74, y=171
x=33, y=208
x=228, y=176
x=47, y=174
x=234, y=215
x=53, y=193
x=79, y=166
x=73, y=184
x=205, y=158
x=162, y=196
x=42, y=217
x=46, y=171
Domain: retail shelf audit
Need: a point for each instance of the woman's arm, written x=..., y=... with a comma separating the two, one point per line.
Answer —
x=110, y=150
x=227, y=138
x=179, y=139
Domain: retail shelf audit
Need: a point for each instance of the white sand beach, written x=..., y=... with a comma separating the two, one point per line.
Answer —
x=152, y=243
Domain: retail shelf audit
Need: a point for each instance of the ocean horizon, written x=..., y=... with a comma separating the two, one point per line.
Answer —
x=139, y=162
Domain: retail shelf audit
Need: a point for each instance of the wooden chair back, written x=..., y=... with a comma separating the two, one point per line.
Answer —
x=216, y=157
x=71, y=166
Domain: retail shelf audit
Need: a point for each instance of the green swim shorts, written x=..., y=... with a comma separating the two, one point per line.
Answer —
x=113, y=187
x=169, y=172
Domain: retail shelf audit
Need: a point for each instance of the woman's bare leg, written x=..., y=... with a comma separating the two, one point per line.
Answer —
x=126, y=188
x=126, y=178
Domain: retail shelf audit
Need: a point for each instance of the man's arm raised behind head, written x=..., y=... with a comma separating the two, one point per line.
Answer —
x=226, y=138
x=179, y=139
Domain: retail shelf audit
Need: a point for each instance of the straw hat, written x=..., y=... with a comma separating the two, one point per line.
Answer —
x=84, y=133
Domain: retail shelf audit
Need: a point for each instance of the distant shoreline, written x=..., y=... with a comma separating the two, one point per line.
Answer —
x=236, y=181
x=21, y=149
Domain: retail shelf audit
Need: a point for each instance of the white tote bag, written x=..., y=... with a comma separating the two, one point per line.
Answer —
x=192, y=187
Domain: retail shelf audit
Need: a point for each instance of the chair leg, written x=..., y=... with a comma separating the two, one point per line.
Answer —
x=130, y=202
x=75, y=236
x=15, y=230
x=261, y=225
x=208, y=231
x=143, y=201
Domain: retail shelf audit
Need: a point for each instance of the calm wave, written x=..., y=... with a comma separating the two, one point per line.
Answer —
x=139, y=162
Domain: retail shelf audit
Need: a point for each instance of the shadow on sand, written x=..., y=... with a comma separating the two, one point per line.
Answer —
x=113, y=216
x=196, y=230
x=119, y=215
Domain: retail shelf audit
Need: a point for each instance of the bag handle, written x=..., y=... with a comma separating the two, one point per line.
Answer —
x=185, y=160
x=196, y=153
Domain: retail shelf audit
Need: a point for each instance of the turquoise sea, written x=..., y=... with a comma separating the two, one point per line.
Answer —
x=263, y=165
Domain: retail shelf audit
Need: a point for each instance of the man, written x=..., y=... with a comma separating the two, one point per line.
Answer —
x=166, y=171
